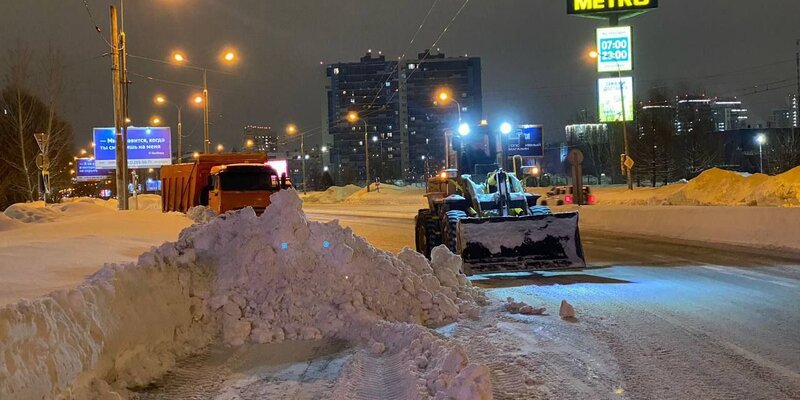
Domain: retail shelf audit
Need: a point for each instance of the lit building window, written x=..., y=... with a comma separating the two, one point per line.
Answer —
x=336, y=71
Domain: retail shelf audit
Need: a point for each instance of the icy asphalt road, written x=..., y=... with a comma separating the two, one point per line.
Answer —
x=656, y=320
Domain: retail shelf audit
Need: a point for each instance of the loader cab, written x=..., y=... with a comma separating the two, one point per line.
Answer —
x=236, y=186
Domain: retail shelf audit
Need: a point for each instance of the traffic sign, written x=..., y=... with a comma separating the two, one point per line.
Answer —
x=41, y=140
x=629, y=163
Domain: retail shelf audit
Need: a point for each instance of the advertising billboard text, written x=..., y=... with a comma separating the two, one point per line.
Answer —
x=148, y=147
x=581, y=7
x=610, y=93
x=614, y=50
x=86, y=171
x=526, y=142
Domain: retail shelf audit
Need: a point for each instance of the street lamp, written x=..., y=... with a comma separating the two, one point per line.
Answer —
x=155, y=121
x=220, y=148
x=353, y=117
x=228, y=56
x=161, y=100
x=292, y=130
x=506, y=128
x=761, y=139
x=464, y=129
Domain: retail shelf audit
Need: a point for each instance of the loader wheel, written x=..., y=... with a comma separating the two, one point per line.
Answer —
x=449, y=227
x=426, y=232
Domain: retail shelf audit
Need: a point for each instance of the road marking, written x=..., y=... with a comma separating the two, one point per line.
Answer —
x=744, y=273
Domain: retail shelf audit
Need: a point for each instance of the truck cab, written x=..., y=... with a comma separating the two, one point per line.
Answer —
x=236, y=186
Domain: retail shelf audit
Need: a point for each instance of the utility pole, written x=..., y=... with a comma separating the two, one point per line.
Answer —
x=119, y=121
x=797, y=99
x=303, y=156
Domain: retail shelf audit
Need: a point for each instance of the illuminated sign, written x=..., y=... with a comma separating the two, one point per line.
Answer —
x=86, y=171
x=614, y=50
x=526, y=142
x=612, y=93
x=148, y=147
x=579, y=7
x=280, y=166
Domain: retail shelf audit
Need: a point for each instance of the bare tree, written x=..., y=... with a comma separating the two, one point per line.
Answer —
x=24, y=114
x=785, y=154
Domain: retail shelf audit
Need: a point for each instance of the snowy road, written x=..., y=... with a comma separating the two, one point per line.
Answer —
x=656, y=320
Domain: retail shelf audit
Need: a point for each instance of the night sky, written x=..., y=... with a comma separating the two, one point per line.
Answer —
x=534, y=69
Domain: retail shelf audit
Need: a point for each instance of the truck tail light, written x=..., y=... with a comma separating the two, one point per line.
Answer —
x=568, y=199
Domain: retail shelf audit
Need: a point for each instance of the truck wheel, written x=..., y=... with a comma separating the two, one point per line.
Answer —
x=426, y=232
x=449, y=227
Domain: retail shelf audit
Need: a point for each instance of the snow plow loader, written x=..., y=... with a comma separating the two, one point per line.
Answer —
x=495, y=226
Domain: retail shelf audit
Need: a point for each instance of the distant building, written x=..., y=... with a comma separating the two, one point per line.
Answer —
x=781, y=118
x=260, y=139
x=693, y=114
x=404, y=128
x=728, y=114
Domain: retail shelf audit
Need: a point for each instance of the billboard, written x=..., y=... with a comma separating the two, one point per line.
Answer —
x=86, y=171
x=280, y=166
x=610, y=94
x=583, y=7
x=148, y=147
x=526, y=142
x=614, y=50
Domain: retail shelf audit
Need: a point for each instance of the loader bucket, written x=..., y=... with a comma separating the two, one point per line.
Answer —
x=520, y=243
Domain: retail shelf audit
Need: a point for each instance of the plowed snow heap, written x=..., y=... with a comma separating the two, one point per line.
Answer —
x=242, y=278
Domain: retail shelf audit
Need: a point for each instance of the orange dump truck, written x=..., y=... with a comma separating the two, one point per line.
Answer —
x=223, y=182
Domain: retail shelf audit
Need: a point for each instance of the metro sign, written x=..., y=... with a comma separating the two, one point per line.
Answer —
x=580, y=7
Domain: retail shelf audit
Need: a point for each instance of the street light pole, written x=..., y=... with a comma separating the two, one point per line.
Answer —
x=180, y=136
x=303, y=156
x=628, y=174
x=206, y=138
x=366, y=150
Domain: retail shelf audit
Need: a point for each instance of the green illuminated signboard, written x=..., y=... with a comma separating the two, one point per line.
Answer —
x=612, y=93
x=581, y=7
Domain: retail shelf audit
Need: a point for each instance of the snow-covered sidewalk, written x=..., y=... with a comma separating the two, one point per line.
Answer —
x=61, y=244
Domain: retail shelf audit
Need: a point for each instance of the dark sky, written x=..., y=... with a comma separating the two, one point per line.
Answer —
x=534, y=70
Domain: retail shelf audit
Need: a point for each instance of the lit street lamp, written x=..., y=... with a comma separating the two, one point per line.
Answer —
x=220, y=148
x=761, y=140
x=292, y=130
x=228, y=56
x=160, y=99
x=353, y=117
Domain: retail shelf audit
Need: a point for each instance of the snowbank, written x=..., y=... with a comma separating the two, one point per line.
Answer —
x=763, y=227
x=713, y=187
x=7, y=223
x=246, y=278
x=334, y=194
x=356, y=195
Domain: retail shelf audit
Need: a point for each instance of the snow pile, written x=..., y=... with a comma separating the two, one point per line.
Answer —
x=334, y=194
x=32, y=212
x=282, y=277
x=387, y=195
x=435, y=367
x=245, y=278
x=201, y=214
x=714, y=187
